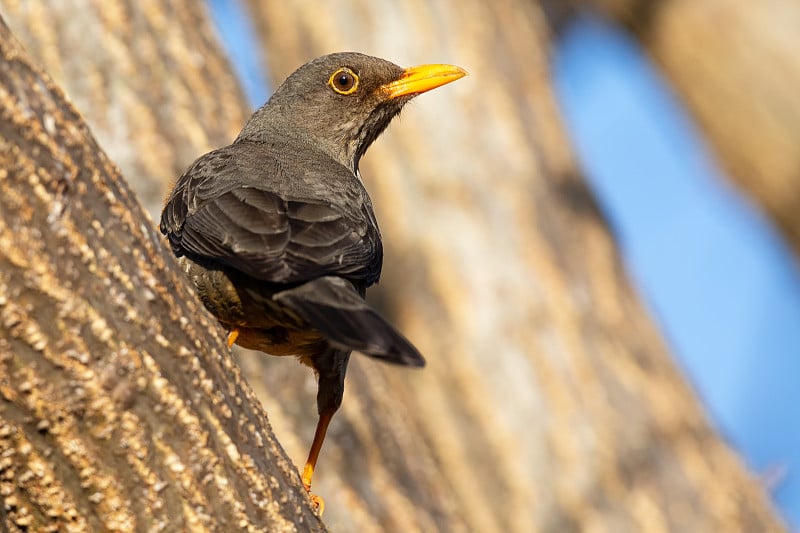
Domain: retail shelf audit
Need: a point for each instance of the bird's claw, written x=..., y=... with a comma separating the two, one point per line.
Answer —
x=319, y=503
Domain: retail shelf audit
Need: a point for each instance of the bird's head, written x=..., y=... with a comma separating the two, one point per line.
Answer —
x=342, y=102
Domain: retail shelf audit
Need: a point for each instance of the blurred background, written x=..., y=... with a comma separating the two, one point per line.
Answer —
x=717, y=276
x=566, y=389
x=715, y=273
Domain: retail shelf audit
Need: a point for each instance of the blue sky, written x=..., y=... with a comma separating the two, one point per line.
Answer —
x=715, y=275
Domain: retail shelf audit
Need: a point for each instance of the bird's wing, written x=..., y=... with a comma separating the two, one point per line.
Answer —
x=245, y=216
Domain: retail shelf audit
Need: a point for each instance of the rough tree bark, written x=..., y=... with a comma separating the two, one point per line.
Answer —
x=735, y=64
x=120, y=407
x=550, y=402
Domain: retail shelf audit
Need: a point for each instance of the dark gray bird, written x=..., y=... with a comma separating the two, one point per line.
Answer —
x=277, y=230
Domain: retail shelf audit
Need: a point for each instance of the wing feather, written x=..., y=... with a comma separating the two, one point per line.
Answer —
x=247, y=215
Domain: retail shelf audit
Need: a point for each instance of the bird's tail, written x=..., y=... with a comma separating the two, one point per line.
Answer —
x=333, y=307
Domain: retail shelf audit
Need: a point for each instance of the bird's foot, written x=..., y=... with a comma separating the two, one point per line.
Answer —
x=319, y=503
x=232, y=336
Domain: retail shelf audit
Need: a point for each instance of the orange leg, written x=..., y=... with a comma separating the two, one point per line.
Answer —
x=232, y=336
x=313, y=455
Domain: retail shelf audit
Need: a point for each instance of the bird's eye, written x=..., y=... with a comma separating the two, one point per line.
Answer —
x=344, y=81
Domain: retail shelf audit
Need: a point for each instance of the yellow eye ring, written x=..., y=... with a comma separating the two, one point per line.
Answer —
x=344, y=81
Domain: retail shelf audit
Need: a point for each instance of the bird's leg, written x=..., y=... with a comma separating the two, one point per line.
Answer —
x=313, y=454
x=232, y=336
x=331, y=366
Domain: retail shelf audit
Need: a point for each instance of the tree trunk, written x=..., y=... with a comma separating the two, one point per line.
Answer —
x=550, y=402
x=120, y=407
x=735, y=64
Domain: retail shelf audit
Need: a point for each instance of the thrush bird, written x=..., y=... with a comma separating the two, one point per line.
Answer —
x=277, y=231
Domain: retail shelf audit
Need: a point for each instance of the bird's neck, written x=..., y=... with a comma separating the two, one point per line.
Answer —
x=267, y=126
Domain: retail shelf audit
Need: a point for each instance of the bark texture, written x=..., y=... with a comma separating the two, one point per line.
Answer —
x=120, y=407
x=149, y=77
x=550, y=403
x=735, y=65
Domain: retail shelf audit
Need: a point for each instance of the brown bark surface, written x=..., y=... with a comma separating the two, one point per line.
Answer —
x=549, y=403
x=149, y=77
x=736, y=65
x=120, y=407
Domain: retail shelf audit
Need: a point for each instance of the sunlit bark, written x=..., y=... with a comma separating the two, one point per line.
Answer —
x=121, y=409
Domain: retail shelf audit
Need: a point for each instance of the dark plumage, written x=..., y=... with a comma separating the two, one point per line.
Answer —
x=277, y=231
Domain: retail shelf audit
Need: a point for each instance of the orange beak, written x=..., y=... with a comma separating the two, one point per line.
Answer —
x=416, y=80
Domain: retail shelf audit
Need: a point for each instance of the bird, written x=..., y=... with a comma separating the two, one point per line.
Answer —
x=277, y=232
